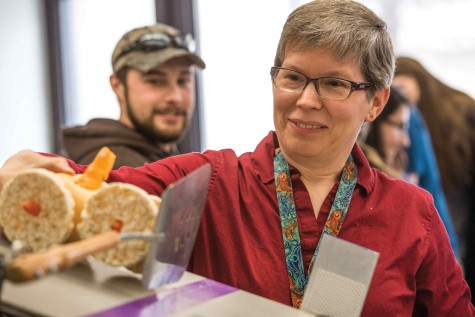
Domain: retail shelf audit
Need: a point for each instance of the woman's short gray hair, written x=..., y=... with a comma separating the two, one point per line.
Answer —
x=346, y=29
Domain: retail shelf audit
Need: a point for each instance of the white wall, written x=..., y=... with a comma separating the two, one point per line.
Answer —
x=238, y=42
x=24, y=99
x=438, y=33
x=95, y=27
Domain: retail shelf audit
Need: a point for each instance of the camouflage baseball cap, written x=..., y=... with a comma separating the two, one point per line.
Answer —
x=147, y=47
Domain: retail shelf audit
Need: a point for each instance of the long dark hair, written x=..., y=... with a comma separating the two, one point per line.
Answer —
x=450, y=116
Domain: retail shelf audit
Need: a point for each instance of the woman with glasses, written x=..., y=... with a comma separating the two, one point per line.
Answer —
x=267, y=210
x=385, y=140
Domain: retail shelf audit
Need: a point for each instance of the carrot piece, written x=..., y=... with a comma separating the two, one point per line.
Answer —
x=32, y=207
x=98, y=171
x=117, y=225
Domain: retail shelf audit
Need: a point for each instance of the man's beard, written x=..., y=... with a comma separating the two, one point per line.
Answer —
x=147, y=128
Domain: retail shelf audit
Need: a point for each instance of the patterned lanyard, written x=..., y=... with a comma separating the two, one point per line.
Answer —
x=290, y=229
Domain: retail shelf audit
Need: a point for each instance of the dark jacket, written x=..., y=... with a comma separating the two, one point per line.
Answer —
x=81, y=143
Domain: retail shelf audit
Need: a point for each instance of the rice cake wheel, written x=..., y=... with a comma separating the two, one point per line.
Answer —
x=49, y=222
x=135, y=210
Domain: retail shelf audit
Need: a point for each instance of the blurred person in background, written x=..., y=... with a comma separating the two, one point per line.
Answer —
x=450, y=118
x=153, y=79
x=388, y=136
x=385, y=142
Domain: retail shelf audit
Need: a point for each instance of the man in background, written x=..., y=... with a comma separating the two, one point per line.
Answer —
x=154, y=81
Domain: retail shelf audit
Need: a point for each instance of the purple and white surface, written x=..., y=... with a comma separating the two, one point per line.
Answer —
x=170, y=301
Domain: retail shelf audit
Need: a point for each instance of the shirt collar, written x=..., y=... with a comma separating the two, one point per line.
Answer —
x=263, y=156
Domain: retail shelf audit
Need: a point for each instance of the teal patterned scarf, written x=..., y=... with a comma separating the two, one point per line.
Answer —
x=290, y=229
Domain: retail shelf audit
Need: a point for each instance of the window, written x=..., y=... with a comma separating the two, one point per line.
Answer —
x=92, y=31
x=240, y=36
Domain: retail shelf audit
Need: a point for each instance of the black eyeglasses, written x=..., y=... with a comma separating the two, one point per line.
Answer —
x=327, y=87
x=158, y=41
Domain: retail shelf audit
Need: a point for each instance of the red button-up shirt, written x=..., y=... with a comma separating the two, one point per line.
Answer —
x=240, y=238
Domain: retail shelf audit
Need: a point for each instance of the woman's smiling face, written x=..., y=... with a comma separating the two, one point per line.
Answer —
x=309, y=126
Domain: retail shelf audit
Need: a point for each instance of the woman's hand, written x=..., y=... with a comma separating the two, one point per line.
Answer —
x=28, y=159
